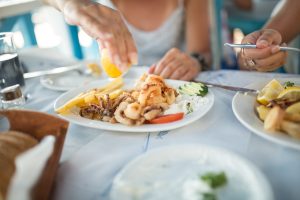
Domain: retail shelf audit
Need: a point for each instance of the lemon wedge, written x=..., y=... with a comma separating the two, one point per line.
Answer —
x=270, y=92
x=111, y=69
x=294, y=108
x=290, y=93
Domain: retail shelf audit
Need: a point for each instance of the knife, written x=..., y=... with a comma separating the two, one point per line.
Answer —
x=245, y=91
x=57, y=70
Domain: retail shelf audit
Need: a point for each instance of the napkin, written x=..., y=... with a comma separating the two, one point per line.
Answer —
x=29, y=166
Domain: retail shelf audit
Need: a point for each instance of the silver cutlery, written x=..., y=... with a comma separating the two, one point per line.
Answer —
x=253, y=46
x=245, y=91
x=57, y=70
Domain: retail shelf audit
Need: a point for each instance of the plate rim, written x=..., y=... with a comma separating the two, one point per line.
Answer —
x=132, y=129
x=287, y=141
x=203, y=147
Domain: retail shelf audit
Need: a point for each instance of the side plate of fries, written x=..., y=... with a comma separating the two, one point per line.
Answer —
x=279, y=124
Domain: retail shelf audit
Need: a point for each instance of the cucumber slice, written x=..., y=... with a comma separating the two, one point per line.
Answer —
x=193, y=88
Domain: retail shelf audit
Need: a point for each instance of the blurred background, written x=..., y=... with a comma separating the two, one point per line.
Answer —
x=38, y=26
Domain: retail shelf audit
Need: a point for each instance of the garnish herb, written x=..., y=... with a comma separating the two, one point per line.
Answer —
x=288, y=84
x=189, y=108
x=214, y=180
x=209, y=196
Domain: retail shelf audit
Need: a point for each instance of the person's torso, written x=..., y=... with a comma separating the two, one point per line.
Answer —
x=153, y=44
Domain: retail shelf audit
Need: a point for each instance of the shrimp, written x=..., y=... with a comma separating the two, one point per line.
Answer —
x=170, y=95
x=133, y=111
x=146, y=91
x=135, y=94
x=150, y=112
x=141, y=81
x=154, y=79
x=155, y=97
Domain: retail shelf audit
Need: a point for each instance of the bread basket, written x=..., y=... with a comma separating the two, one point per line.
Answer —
x=39, y=125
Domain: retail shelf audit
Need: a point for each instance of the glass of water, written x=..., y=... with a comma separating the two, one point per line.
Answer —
x=11, y=72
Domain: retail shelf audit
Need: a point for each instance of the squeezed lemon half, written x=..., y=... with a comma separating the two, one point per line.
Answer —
x=110, y=69
x=270, y=92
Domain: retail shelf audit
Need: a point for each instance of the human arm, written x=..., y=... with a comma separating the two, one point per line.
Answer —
x=103, y=24
x=281, y=28
x=286, y=20
x=180, y=65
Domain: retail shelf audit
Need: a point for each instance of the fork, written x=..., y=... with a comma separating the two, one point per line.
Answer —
x=253, y=46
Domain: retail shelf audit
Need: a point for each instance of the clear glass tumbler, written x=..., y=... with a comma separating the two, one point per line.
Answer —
x=11, y=72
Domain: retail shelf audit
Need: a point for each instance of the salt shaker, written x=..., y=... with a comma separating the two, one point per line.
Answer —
x=12, y=97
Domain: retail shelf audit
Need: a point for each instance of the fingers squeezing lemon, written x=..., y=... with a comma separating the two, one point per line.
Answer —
x=110, y=68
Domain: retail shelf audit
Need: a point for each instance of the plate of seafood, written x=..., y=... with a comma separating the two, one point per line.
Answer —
x=274, y=113
x=146, y=104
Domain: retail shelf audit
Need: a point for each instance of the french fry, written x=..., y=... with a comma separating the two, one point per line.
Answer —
x=109, y=90
x=115, y=94
x=291, y=128
x=91, y=96
x=274, y=118
x=293, y=117
x=112, y=85
x=71, y=103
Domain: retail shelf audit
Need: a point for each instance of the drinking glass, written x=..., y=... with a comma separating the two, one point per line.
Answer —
x=11, y=72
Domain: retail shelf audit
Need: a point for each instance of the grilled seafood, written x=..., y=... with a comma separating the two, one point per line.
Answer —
x=122, y=118
x=151, y=112
x=133, y=110
x=120, y=115
x=149, y=99
x=154, y=91
x=146, y=91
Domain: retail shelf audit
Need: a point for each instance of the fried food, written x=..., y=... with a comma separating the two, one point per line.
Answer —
x=148, y=99
x=291, y=128
x=274, y=118
x=280, y=108
x=133, y=110
x=90, y=96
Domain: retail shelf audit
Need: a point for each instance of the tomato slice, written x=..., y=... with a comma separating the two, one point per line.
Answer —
x=167, y=118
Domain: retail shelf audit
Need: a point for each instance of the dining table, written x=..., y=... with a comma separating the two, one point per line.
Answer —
x=91, y=158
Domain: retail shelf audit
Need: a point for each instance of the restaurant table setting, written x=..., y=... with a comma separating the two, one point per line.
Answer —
x=97, y=161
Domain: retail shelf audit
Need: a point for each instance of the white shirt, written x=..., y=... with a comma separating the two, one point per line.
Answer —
x=152, y=45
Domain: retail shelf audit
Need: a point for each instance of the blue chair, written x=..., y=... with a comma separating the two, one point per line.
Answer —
x=77, y=50
x=22, y=23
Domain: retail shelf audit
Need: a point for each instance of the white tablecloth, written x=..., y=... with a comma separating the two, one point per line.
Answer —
x=91, y=157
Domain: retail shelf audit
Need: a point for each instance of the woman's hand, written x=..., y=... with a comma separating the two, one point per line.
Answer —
x=106, y=26
x=267, y=56
x=176, y=65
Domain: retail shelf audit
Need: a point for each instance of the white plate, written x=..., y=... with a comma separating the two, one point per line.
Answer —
x=244, y=109
x=66, y=81
x=129, y=83
x=72, y=79
x=167, y=173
